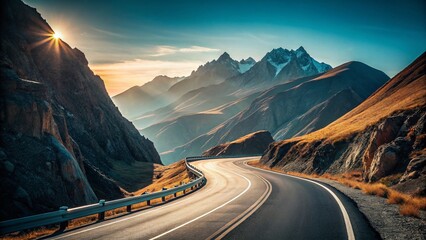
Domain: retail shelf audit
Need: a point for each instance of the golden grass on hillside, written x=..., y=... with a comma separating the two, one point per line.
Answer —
x=410, y=205
x=167, y=177
x=164, y=176
x=245, y=137
x=30, y=235
x=385, y=102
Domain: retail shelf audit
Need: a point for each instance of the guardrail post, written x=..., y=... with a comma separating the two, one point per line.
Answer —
x=175, y=194
x=148, y=202
x=163, y=199
x=129, y=208
x=101, y=215
x=63, y=225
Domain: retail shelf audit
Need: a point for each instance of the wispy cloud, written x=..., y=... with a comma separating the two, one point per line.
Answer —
x=123, y=75
x=108, y=33
x=168, y=50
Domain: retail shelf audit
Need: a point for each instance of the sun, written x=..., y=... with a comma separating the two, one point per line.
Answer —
x=57, y=35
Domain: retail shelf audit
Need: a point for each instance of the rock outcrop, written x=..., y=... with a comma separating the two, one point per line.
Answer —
x=251, y=144
x=61, y=136
x=384, y=137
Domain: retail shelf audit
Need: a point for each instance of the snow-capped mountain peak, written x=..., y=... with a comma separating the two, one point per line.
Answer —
x=279, y=58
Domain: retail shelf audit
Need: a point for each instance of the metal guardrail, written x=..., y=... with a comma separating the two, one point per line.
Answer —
x=65, y=214
x=194, y=158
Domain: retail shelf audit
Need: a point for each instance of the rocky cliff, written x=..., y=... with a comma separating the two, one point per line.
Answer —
x=251, y=144
x=61, y=137
x=384, y=137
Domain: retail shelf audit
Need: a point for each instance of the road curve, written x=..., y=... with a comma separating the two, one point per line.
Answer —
x=239, y=202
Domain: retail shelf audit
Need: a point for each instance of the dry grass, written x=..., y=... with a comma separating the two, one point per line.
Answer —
x=164, y=176
x=409, y=210
x=395, y=197
x=410, y=205
x=30, y=235
x=167, y=177
x=246, y=137
x=377, y=189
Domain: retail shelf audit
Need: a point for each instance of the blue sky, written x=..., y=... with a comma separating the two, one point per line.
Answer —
x=130, y=42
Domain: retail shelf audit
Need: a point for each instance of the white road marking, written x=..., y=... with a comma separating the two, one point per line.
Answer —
x=207, y=213
x=347, y=220
x=127, y=218
x=231, y=225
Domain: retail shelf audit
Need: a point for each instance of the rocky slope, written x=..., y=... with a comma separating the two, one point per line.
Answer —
x=148, y=95
x=251, y=144
x=296, y=107
x=384, y=137
x=61, y=137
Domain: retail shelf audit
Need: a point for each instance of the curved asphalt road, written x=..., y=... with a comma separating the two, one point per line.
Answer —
x=240, y=202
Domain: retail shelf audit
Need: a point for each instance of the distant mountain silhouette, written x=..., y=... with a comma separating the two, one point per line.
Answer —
x=150, y=94
x=383, y=136
x=172, y=89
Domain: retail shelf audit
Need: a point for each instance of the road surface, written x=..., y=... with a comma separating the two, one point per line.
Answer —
x=240, y=202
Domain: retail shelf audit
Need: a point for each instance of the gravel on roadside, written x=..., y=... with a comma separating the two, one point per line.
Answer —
x=383, y=217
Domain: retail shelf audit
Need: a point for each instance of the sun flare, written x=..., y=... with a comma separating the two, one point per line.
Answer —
x=57, y=35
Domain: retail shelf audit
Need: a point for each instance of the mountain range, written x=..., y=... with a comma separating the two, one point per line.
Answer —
x=287, y=93
x=216, y=92
x=293, y=108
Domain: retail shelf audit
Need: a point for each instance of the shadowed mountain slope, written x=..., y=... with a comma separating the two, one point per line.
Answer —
x=61, y=137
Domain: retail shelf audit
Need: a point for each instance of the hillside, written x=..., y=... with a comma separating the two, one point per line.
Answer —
x=61, y=136
x=251, y=144
x=384, y=137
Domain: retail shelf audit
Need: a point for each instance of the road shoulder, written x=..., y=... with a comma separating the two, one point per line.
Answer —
x=383, y=217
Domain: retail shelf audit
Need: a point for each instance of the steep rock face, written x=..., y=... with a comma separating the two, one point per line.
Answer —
x=59, y=128
x=40, y=142
x=383, y=136
x=253, y=143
